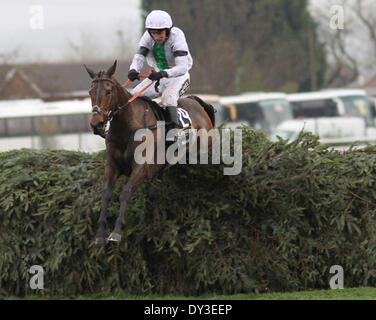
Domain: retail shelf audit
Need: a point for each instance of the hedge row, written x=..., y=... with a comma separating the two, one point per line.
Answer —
x=295, y=210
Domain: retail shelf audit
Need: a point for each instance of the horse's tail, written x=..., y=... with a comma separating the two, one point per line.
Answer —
x=210, y=110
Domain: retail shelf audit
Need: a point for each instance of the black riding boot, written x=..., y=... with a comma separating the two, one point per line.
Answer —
x=174, y=124
x=173, y=112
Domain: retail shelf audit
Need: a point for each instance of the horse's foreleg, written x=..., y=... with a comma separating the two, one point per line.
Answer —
x=111, y=175
x=136, y=178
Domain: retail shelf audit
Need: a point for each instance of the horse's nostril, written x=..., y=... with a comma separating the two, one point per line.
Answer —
x=98, y=128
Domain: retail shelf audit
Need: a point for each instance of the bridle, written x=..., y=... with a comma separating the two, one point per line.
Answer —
x=113, y=111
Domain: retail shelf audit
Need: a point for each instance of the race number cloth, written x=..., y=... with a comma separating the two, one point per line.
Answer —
x=184, y=118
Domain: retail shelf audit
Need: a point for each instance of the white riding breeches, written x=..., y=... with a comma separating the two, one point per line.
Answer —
x=169, y=89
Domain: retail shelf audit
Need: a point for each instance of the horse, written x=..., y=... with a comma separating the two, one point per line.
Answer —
x=111, y=104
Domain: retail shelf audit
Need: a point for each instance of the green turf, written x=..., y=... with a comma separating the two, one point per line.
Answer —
x=363, y=293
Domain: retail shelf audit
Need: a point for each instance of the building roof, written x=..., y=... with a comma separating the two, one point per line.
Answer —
x=61, y=79
x=10, y=77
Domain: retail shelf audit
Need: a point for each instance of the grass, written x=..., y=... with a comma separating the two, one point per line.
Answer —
x=362, y=293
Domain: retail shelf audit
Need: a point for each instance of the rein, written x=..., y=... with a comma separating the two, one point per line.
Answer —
x=141, y=91
x=113, y=113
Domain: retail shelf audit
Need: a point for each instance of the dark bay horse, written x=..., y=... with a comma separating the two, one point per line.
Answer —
x=110, y=103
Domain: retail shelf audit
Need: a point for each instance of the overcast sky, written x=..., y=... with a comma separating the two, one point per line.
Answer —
x=50, y=30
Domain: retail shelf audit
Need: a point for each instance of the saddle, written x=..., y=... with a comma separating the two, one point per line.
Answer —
x=163, y=115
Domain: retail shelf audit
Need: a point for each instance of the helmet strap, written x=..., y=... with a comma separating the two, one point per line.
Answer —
x=168, y=30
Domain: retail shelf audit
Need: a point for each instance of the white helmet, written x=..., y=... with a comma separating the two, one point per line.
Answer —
x=158, y=19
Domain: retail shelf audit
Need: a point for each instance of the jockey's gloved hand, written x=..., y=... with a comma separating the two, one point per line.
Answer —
x=158, y=75
x=133, y=75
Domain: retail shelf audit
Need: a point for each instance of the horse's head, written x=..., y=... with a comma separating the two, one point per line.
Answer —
x=104, y=97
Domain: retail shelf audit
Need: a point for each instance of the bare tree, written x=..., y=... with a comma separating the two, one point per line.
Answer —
x=351, y=50
x=91, y=48
x=342, y=68
x=86, y=49
x=365, y=12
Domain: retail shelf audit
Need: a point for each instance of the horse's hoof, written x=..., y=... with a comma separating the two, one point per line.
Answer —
x=100, y=241
x=114, y=237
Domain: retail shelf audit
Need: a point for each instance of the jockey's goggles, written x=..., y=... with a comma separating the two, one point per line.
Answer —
x=157, y=31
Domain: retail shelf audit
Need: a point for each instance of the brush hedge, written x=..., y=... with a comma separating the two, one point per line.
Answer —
x=295, y=210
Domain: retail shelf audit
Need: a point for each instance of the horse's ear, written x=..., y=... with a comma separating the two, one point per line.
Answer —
x=90, y=72
x=111, y=70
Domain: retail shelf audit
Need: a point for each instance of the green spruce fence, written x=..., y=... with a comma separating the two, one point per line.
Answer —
x=295, y=210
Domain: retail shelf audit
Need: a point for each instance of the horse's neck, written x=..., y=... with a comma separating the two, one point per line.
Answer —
x=123, y=94
x=127, y=120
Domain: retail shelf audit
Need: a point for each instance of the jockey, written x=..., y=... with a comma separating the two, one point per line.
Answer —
x=166, y=51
